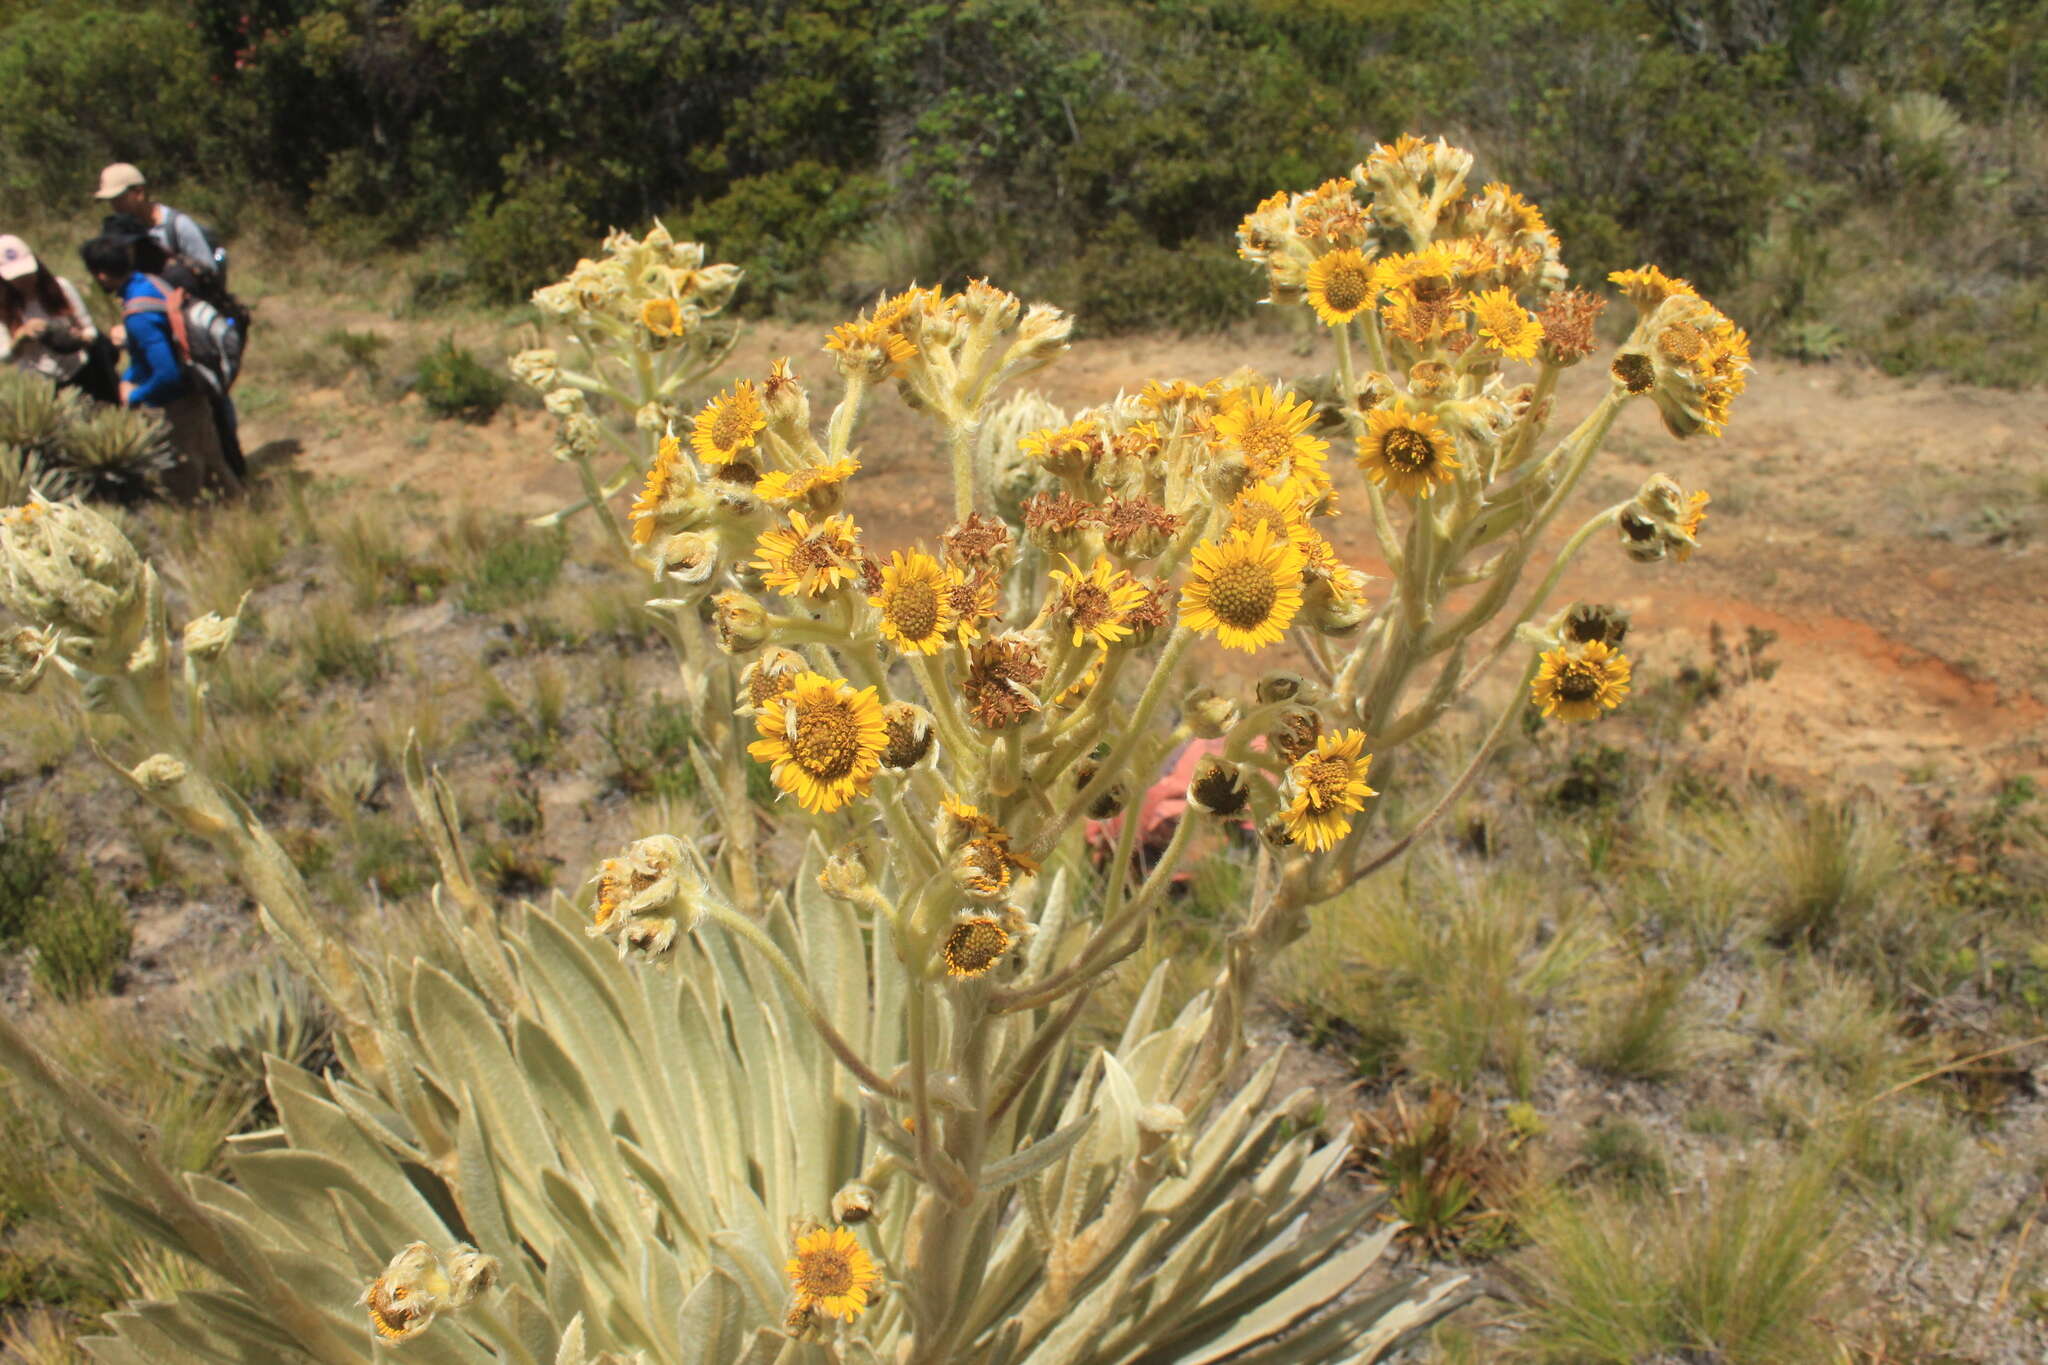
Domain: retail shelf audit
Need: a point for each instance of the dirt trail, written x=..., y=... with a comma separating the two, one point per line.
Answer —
x=1890, y=533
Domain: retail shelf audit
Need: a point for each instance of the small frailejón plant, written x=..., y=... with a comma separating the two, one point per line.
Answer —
x=718, y=1110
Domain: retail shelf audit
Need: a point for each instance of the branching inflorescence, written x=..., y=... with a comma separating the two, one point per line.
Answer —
x=856, y=1124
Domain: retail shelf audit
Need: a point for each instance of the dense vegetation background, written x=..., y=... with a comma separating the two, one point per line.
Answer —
x=1862, y=175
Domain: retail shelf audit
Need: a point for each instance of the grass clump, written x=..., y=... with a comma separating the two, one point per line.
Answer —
x=1830, y=867
x=55, y=907
x=453, y=383
x=507, y=565
x=1447, y=1173
x=335, y=647
x=1734, y=1272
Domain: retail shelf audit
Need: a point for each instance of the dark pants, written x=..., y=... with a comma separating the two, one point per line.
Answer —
x=100, y=377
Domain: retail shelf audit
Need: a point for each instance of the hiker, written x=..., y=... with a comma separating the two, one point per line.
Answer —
x=127, y=193
x=44, y=326
x=158, y=375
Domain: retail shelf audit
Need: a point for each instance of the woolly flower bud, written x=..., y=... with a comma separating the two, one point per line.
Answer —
x=687, y=560
x=159, y=772
x=715, y=285
x=855, y=1203
x=646, y=897
x=783, y=400
x=210, y=635
x=1661, y=521
x=1042, y=337
x=741, y=623
x=657, y=418
x=1107, y=806
x=417, y=1285
x=536, y=369
x=566, y=401
x=845, y=876
x=24, y=654
x=1287, y=687
x=71, y=568
x=909, y=728
x=1209, y=715
x=1590, y=621
x=580, y=436
x=1218, y=787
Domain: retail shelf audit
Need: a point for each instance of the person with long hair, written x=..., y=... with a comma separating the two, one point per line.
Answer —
x=44, y=326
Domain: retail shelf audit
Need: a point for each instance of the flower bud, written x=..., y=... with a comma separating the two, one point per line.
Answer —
x=1273, y=829
x=1227, y=475
x=784, y=402
x=1209, y=715
x=565, y=401
x=646, y=897
x=845, y=875
x=1282, y=686
x=741, y=623
x=855, y=1203
x=688, y=560
x=209, y=636
x=1431, y=379
x=470, y=1274
x=1218, y=787
x=1297, y=733
x=71, y=568
x=24, y=654
x=159, y=772
x=909, y=729
x=1107, y=806
x=1590, y=621
x=536, y=368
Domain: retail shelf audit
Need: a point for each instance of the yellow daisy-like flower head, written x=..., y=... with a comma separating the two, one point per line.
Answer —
x=824, y=739
x=1246, y=589
x=1328, y=784
x=728, y=424
x=1579, y=686
x=815, y=487
x=1340, y=286
x=1505, y=326
x=1272, y=431
x=1406, y=452
x=805, y=560
x=665, y=479
x=1690, y=523
x=870, y=348
x=1647, y=286
x=1278, y=507
x=975, y=946
x=1093, y=604
x=662, y=317
x=916, y=602
x=1068, y=452
x=832, y=1273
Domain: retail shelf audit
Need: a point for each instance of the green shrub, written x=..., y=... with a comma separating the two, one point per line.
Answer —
x=454, y=383
x=32, y=866
x=513, y=568
x=516, y=241
x=80, y=936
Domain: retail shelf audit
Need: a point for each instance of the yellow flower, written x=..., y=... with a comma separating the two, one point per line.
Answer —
x=1271, y=430
x=1407, y=452
x=783, y=489
x=1246, y=589
x=1161, y=396
x=974, y=602
x=727, y=424
x=1647, y=286
x=1278, y=507
x=1329, y=784
x=870, y=347
x=916, y=600
x=1505, y=325
x=663, y=317
x=1578, y=686
x=832, y=1272
x=802, y=560
x=1340, y=286
x=974, y=946
x=1695, y=514
x=1093, y=603
x=1069, y=451
x=824, y=739
x=660, y=486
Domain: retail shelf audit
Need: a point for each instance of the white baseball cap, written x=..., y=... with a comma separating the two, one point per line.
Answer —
x=16, y=260
x=117, y=179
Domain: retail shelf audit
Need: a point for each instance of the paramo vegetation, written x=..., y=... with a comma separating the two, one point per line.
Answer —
x=1807, y=161
x=712, y=1111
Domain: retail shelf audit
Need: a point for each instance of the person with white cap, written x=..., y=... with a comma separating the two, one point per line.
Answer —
x=127, y=192
x=44, y=326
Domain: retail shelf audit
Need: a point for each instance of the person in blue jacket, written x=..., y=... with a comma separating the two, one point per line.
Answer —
x=157, y=378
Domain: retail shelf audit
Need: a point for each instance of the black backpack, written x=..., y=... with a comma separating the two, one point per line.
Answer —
x=203, y=280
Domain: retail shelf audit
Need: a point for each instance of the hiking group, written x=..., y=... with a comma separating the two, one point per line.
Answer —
x=182, y=332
